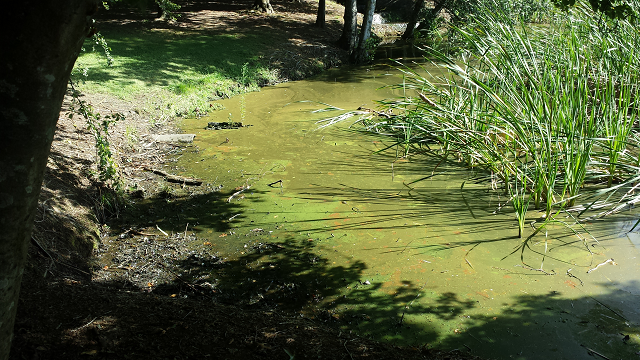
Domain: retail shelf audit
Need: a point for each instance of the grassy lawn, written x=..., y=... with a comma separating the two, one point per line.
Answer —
x=179, y=72
x=169, y=69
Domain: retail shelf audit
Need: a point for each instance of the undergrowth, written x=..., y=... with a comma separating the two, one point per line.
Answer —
x=110, y=197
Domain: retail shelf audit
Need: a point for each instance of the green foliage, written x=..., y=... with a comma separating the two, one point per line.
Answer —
x=460, y=11
x=99, y=40
x=99, y=127
x=370, y=47
x=614, y=9
x=168, y=9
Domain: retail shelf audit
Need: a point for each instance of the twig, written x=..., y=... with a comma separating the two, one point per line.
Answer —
x=56, y=261
x=345, y=347
x=275, y=182
x=175, y=178
x=532, y=269
x=465, y=255
x=608, y=307
x=575, y=277
x=162, y=231
x=595, y=352
x=465, y=259
x=405, y=247
x=238, y=193
x=132, y=231
x=41, y=248
x=85, y=325
x=185, y=231
x=597, y=266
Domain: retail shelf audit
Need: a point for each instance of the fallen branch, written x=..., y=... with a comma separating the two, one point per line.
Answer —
x=175, y=178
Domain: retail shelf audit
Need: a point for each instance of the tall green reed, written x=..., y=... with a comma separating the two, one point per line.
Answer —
x=546, y=109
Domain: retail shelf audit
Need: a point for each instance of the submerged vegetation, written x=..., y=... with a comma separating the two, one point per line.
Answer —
x=547, y=111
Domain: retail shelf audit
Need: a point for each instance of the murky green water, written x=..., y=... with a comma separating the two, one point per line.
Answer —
x=326, y=226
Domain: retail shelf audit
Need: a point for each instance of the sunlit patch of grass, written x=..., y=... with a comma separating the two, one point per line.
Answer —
x=183, y=72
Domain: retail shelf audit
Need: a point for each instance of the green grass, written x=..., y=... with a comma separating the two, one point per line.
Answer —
x=175, y=73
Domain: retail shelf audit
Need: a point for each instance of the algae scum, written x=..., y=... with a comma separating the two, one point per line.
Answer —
x=318, y=222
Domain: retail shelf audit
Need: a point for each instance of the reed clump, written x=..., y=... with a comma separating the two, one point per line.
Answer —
x=549, y=111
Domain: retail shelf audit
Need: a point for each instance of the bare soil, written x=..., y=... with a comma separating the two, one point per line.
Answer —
x=73, y=306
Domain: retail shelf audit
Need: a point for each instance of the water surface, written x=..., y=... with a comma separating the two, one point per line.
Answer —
x=318, y=222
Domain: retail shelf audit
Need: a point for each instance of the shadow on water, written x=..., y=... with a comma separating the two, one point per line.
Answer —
x=296, y=268
x=173, y=211
x=292, y=273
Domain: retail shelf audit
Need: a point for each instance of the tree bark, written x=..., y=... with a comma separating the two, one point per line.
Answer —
x=361, y=54
x=41, y=40
x=320, y=19
x=264, y=5
x=413, y=20
x=439, y=5
x=347, y=40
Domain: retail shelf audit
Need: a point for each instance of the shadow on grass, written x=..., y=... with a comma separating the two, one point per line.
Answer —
x=215, y=44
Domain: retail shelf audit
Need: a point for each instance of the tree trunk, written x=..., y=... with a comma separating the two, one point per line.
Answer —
x=264, y=5
x=320, y=20
x=159, y=10
x=348, y=39
x=40, y=41
x=413, y=20
x=361, y=54
x=439, y=5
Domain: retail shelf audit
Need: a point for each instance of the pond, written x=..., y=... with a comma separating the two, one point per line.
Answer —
x=321, y=222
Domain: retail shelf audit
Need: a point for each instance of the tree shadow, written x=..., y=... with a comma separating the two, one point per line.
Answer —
x=212, y=38
x=554, y=326
x=165, y=296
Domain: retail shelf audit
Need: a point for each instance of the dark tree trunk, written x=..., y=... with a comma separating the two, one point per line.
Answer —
x=361, y=54
x=413, y=20
x=264, y=5
x=40, y=41
x=348, y=39
x=320, y=20
x=439, y=5
x=159, y=10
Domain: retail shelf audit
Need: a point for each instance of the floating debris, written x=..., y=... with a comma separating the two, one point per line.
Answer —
x=225, y=125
